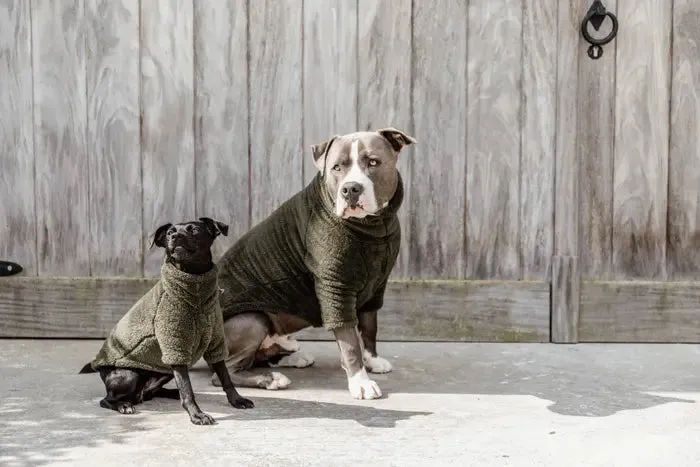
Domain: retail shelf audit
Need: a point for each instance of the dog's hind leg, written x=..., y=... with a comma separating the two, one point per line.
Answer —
x=124, y=389
x=154, y=387
x=244, y=333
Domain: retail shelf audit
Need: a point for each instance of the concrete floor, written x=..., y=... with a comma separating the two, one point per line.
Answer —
x=447, y=404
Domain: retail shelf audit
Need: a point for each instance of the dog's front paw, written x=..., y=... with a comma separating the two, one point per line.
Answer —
x=376, y=364
x=298, y=359
x=362, y=387
x=241, y=402
x=277, y=381
x=125, y=408
x=201, y=418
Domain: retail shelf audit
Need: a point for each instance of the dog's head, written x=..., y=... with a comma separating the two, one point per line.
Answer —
x=188, y=244
x=360, y=170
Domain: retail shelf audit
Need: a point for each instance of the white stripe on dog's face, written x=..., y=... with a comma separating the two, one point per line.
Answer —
x=367, y=200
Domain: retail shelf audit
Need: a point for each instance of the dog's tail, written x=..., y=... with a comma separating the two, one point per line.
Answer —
x=87, y=369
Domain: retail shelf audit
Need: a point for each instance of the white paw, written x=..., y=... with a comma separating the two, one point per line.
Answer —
x=215, y=380
x=279, y=381
x=376, y=364
x=361, y=387
x=298, y=359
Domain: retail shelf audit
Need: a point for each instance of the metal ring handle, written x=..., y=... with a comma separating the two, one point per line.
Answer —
x=606, y=39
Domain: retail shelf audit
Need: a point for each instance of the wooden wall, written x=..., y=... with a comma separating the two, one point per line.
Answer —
x=537, y=170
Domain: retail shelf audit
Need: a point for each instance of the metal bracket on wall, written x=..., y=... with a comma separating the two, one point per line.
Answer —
x=595, y=16
x=8, y=268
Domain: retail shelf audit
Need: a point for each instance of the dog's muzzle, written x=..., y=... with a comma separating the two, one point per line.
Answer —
x=351, y=192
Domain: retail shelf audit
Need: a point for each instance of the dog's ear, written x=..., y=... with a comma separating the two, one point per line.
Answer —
x=320, y=151
x=397, y=138
x=215, y=227
x=159, y=236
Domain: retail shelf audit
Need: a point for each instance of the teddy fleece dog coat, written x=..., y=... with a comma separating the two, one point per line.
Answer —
x=308, y=262
x=177, y=322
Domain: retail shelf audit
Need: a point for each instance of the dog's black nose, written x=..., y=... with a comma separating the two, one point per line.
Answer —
x=351, y=191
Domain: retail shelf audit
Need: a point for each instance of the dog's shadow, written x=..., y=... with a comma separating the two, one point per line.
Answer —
x=273, y=408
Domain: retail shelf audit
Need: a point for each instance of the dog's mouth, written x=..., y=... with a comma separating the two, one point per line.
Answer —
x=355, y=210
x=181, y=250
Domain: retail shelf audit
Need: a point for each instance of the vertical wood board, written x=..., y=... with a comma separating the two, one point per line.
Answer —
x=641, y=140
x=167, y=101
x=60, y=125
x=17, y=210
x=113, y=137
x=384, y=91
x=221, y=116
x=684, y=157
x=330, y=74
x=275, y=104
x=538, y=112
x=493, y=139
x=436, y=205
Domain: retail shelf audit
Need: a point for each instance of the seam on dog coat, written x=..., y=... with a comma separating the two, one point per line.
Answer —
x=306, y=261
x=177, y=322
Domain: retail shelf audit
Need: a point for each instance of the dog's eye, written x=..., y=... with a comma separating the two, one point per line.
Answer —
x=373, y=162
x=336, y=167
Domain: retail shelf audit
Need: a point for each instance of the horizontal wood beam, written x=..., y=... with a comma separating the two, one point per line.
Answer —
x=640, y=311
x=468, y=311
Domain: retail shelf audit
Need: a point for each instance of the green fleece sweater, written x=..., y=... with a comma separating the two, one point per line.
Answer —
x=177, y=322
x=306, y=261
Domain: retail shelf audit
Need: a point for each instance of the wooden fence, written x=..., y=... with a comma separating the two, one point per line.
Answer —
x=549, y=196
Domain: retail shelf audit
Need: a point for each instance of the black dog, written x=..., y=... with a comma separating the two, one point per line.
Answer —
x=170, y=328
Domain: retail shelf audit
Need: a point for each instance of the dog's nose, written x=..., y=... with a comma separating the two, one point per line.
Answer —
x=351, y=191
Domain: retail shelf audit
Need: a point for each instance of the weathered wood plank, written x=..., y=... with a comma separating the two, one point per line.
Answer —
x=639, y=311
x=641, y=140
x=596, y=124
x=17, y=211
x=113, y=137
x=566, y=188
x=565, y=299
x=221, y=116
x=493, y=139
x=167, y=135
x=384, y=90
x=538, y=138
x=437, y=201
x=413, y=310
x=330, y=73
x=275, y=51
x=684, y=163
x=60, y=125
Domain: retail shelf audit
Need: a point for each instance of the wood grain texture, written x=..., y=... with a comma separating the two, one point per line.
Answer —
x=436, y=242
x=113, y=137
x=538, y=138
x=565, y=299
x=61, y=307
x=384, y=91
x=330, y=74
x=275, y=31
x=60, y=125
x=641, y=140
x=221, y=116
x=413, y=310
x=566, y=196
x=17, y=210
x=684, y=158
x=493, y=139
x=639, y=311
x=167, y=135
x=596, y=148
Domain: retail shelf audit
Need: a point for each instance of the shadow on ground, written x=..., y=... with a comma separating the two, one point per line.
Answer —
x=44, y=400
x=585, y=380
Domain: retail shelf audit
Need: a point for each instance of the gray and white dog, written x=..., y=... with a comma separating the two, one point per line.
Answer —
x=322, y=258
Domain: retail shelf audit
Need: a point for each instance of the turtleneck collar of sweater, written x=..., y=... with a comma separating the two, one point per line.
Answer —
x=194, y=289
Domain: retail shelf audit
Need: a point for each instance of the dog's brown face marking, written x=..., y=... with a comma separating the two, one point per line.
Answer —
x=360, y=169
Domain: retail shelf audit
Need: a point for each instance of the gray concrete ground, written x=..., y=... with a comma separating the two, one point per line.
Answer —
x=445, y=404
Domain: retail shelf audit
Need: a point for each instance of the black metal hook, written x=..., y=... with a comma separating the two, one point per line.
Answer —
x=596, y=15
